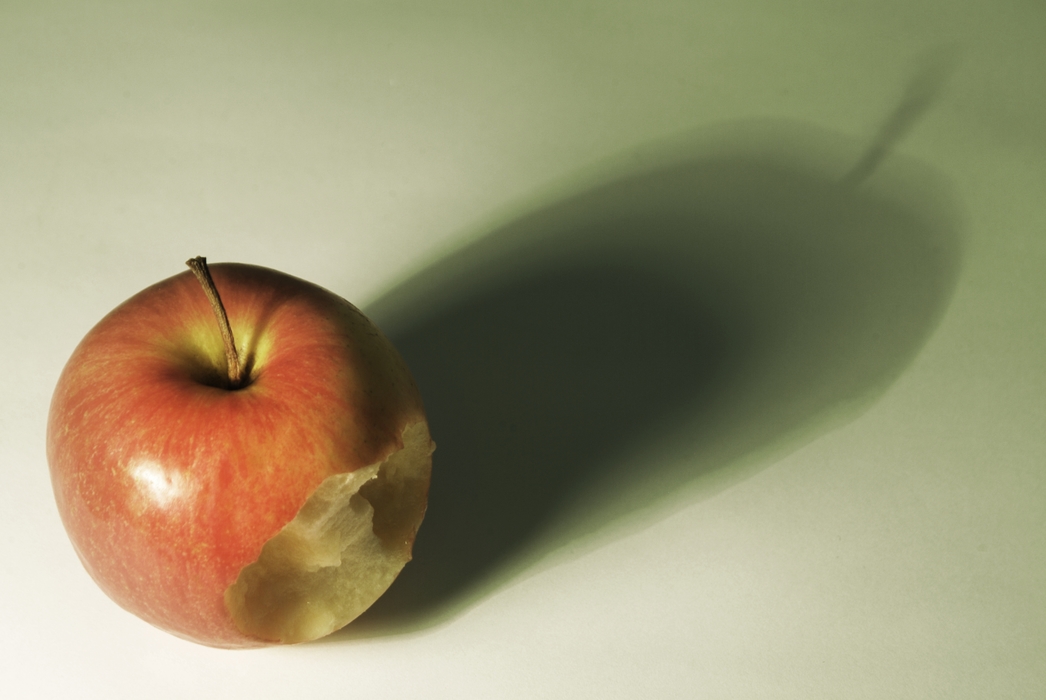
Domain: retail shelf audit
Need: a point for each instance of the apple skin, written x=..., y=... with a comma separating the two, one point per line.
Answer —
x=168, y=482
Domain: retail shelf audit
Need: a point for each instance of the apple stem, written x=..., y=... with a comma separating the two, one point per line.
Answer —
x=198, y=265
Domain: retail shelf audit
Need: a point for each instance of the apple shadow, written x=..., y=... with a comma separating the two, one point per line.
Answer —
x=689, y=310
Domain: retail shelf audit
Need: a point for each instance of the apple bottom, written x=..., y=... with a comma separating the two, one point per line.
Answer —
x=342, y=550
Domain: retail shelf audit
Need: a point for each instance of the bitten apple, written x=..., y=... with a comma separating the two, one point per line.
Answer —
x=261, y=489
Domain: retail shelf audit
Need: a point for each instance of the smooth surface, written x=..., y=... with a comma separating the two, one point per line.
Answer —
x=882, y=537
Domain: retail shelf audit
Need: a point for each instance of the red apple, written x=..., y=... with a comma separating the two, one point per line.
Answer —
x=239, y=511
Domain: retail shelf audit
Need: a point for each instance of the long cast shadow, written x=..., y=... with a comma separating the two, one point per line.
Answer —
x=724, y=294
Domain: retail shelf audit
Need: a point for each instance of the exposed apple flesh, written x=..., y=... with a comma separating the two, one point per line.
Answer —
x=341, y=551
x=275, y=511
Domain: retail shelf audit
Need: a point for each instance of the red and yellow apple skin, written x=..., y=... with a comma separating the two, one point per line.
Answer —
x=168, y=482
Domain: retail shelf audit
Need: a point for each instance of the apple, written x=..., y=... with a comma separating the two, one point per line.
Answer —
x=239, y=456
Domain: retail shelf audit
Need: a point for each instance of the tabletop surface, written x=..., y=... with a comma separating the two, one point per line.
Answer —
x=728, y=317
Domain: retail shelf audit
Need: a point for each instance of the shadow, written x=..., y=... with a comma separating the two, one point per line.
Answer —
x=709, y=302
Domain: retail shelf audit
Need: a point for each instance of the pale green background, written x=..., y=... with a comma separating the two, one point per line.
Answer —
x=893, y=550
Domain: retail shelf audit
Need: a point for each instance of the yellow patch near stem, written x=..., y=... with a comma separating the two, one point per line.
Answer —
x=340, y=552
